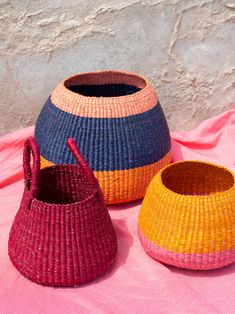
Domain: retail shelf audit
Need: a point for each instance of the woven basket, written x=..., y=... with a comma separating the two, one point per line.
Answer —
x=187, y=218
x=62, y=234
x=120, y=126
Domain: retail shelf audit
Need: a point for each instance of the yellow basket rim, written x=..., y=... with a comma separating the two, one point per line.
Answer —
x=194, y=197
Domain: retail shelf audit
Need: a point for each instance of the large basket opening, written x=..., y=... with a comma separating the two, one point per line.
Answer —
x=197, y=178
x=104, y=90
x=105, y=84
x=63, y=184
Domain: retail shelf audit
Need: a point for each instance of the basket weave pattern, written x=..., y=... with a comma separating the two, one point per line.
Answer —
x=62, y=234
x=120, y=125
x=187, y=218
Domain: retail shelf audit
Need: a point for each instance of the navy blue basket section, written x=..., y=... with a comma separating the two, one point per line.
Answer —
x=106, y=143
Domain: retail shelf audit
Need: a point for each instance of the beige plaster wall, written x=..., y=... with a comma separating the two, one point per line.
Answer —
x=186, y=48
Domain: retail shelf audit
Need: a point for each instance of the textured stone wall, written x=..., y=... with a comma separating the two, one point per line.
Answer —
x=186, y=48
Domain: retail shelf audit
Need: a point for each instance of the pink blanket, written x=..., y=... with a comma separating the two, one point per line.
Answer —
x=137, y=283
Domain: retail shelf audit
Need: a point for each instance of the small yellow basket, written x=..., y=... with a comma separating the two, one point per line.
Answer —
x=187, y=218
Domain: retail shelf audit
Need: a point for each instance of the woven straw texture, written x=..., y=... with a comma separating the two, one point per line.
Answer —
x=119, y=124
x=62, y=234
x=187, y=218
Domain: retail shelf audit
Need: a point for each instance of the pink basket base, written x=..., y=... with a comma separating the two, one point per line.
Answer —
x=189, y=261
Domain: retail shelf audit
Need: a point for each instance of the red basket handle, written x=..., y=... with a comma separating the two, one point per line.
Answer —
x=31, y=175
x=86, y=170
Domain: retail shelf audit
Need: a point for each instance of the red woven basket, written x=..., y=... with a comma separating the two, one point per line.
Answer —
x=62, y=234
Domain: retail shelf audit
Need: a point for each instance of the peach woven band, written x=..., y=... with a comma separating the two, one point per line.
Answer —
x=129, y=184
x=104, y=107
x=191, y=261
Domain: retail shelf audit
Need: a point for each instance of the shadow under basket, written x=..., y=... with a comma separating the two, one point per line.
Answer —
x=187, y=218
x=62, y=235
x=119, y=123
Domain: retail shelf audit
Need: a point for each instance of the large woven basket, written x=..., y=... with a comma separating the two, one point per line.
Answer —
x=187, y=218
x=119, y=124
x=62, y=234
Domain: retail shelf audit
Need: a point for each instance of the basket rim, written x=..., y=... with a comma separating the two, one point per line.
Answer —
x=111, y=75
x=202, y=197
x=36, y=201
x=92, y=106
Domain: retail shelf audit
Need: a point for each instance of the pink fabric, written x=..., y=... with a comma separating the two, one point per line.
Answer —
x=189, y=261
x=137, y=283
